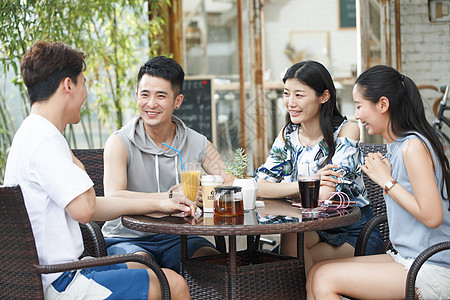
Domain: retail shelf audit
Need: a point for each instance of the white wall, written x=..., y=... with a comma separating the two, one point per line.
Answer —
x=425, y=48
x=281, y=17
x=425, y=44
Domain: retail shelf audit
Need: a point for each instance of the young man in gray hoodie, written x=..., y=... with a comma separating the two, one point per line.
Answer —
x=137, y=164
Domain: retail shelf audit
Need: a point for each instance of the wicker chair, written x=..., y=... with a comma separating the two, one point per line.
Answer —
x=92, y=160
x=20, y=271
x=375, y=194
x=94, y=243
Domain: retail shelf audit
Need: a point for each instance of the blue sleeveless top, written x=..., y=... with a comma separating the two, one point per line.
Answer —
x=409, y=236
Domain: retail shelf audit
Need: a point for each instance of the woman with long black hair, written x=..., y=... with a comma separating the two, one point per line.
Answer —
x=317, y=139
x=416, y=180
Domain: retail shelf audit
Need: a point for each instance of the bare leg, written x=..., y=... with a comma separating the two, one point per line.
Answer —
x=314, y=249
x=204, y=251
x=364, y=277
x=178, y=286
x=318, y=264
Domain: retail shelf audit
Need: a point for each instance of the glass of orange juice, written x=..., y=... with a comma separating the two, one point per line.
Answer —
x=190, y=180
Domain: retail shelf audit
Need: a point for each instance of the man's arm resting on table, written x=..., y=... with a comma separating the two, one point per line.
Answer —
x=108, y=208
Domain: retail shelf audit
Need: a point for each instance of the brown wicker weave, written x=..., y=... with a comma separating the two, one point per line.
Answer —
x=247, y=274
x=94, y=242
x=375, y=195
x=19, y=265
x=259, y=275
x=92, y=159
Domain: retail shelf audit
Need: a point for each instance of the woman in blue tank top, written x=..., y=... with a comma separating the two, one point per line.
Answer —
x=416, y=179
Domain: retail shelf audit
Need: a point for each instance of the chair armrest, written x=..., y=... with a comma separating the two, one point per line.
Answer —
x=418, y=262
x=94, y=242
x=110, y=260
x=364, y=235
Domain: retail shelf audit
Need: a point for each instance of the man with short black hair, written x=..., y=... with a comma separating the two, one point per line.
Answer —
x=138, y=164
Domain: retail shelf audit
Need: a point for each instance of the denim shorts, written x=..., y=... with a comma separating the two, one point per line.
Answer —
x=349, y=234
x=106, y=282
x=165, y=249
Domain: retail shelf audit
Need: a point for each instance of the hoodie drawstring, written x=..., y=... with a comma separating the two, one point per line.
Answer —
x=157, y=172
x=176, y=170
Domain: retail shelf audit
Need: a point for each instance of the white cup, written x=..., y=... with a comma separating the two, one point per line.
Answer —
x=249, y=191
x=209, y=182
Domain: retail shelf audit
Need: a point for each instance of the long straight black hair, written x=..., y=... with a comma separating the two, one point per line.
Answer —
x=406, y=109
x=317, y=77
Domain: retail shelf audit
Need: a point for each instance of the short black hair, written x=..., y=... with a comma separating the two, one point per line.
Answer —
x=164, y=67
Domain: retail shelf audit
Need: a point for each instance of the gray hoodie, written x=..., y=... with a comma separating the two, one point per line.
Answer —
x=151, y=169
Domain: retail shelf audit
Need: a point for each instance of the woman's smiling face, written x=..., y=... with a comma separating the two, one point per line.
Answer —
x=367, y=112
x=301, y=101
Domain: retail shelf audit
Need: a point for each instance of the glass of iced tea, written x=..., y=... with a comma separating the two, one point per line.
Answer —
x=228, y=201
x=308, y=187
x=190, y=180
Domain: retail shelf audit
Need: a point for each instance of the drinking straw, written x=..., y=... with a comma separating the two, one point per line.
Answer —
x=179, y=155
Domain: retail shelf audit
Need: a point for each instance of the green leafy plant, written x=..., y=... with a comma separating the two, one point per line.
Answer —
x=117, y=36
x=238, y=167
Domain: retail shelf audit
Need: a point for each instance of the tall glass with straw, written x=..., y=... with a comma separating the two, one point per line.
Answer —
x=190, y=176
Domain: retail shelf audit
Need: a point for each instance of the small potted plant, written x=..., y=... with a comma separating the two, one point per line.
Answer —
x=238, y=168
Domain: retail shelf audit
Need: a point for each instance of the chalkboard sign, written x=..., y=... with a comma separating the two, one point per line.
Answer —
x=197, y=111
x=347, y=13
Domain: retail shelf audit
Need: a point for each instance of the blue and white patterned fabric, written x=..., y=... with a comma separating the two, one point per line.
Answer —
x=289, y=159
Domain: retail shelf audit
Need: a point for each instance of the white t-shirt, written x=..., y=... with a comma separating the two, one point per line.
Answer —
x=41, y=163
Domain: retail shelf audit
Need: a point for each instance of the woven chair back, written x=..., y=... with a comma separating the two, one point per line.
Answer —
x=92, y=160
x=18, y=277
x=375, y=193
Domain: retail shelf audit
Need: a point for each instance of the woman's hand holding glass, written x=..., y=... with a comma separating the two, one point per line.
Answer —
x=330, y=175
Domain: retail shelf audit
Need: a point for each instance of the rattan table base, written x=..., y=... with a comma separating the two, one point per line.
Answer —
x=248, y=274
x=259, y=275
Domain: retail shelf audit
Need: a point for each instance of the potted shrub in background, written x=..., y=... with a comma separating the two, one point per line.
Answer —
x=238, y=168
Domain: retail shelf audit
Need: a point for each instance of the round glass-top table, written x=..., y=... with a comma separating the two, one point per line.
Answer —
x=250, y=273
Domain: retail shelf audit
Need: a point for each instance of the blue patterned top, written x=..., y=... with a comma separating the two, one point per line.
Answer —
x=287, y=160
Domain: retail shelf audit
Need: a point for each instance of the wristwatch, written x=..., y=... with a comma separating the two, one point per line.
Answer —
x=389, y=186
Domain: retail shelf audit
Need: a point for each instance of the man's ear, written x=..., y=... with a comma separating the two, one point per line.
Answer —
x=66, y=84
x=325, y=96
x=178, y=100
x=383, y=104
